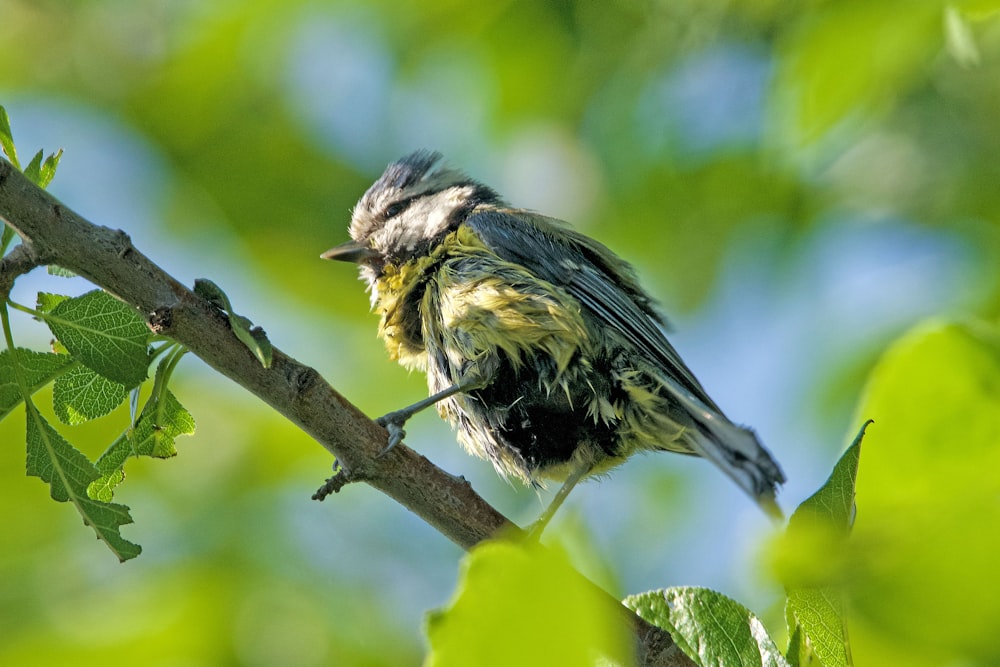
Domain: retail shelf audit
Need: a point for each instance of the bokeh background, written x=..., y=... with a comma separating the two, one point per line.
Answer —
x=798, y=184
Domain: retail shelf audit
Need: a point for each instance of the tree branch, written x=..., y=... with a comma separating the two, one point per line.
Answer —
x=53, y=234
x=16, y=263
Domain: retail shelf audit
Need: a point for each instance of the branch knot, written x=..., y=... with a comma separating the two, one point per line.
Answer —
x=160, y=319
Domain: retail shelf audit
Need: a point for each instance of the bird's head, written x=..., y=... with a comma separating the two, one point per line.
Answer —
x=407, y=211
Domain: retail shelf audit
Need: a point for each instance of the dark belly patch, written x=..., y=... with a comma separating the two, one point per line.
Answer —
x=544, y=427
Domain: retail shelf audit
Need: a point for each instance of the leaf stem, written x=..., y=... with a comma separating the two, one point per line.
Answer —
x=26, y=309
x=163, y=373
x=15, y=363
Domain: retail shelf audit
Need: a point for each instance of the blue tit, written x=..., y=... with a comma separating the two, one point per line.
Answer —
x=539, y=345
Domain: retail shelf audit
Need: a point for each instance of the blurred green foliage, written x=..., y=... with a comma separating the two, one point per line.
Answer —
x=922, y=574
x=680, y=133
x=569, y=621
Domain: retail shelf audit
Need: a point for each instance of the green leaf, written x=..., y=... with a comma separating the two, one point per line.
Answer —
x=958, y=38
x=33, y=170
x=711, y=629
x=103, y=488
x=106, y=519
x=68, y=473
x=81, y=395
x=212, y=293
x=833, y=503
x=253, y=337
x=7, y=138
x=816, y=620
x=57, y=462
x=46, y=301
x=41, y=173
x=160, y=423
x=48, y=170
x=60, y=271
x=6, y=236
x=814, y=609
x=521, y=604
x=852, y=59
x=923, y=551
x=977, y=10
x=105, y=334
x=38, y=369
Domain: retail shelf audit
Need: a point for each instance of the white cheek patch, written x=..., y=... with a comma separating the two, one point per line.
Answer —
x=431, y=213
x=457, y=195
x=426, y=217
x=436, y=213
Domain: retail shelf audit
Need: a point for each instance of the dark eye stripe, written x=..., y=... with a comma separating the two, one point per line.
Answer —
x=397, y=207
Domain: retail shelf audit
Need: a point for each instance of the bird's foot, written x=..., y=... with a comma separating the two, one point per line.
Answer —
x=393, y=422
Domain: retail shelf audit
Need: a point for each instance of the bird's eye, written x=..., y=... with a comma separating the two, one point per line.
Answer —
x=395, y=208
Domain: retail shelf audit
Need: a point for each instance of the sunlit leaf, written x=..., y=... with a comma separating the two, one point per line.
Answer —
x=103, y=488
x=81, y=395
x=924, y=546
x=160, y=423
x=524, y=605
x=7, y=138
x=105, y=334
x=958, y=38
x=48, y=169
x=712, y=629
x=46, y=301
x=38, y=170
x=850, y=58
x=977, y=10
x=34, y=169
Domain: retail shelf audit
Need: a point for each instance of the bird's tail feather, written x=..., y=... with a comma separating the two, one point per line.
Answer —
x=734, y=449
x=739, y=454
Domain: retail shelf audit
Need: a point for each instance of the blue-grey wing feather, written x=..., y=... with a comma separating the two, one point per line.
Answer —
x=606, y=287
x=601, y=282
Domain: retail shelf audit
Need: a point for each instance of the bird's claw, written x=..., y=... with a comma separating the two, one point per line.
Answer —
x=393, y=423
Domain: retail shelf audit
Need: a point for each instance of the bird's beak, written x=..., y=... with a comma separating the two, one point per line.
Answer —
x=352, y=251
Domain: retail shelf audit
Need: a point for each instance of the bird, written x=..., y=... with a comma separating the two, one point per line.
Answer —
x=539, y=345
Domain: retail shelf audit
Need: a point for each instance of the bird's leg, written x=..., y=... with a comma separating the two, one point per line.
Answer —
x=535, y=532
x=395, y=420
